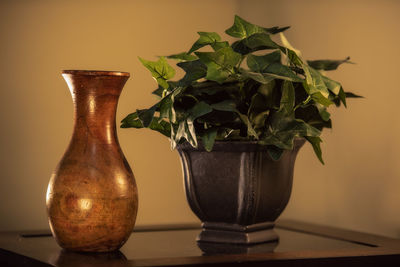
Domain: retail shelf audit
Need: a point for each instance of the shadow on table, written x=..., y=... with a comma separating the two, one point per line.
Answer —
x=75, y=259
x=220, y=248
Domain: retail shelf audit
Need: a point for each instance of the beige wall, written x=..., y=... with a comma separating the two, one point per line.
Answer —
x=358, y=188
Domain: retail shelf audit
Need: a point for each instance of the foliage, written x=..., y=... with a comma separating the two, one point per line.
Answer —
x=279, y=96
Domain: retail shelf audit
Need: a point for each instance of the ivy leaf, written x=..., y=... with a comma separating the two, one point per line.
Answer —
x=323, y=112
x=157, y=124
x=161, y=126
x=226, y=105
x=146, y=115
x=352, y=95
x=230, y=105
x=255, y=42
x=185, y=130
x=160, y=70
x=276, y=29
x=250, y=129
x=315, y=82
x=242, y=29
x=283, y=71
x=159, y=91
x=258, y=77
x=342, y=97
x=258, y=110
x=284, y=129
x=194, y=70
x=167, y=108
x=332, y=85
x=182, y=56
x=218, y=45
x=206, y=38
x=220, y=64
x=328, y=64
x=319, y=98
x=131, y=121
x=316, y=144
x=201, y=108
x=287, y=45
x=288, y=98
x=208, y=138
x=275, y=152
x=260, y=63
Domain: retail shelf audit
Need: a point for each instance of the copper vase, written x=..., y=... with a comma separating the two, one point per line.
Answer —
x=92, y=195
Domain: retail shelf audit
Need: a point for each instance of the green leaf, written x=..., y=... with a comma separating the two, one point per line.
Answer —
x=258, y=77
x=182, y=56
x=220, y=64
x=167, y=108
x=319, y=98
x=327, y=64
x=282, y=72
x=159, y=91
x=275, y=152
x=206, y=38
x=284, y=129
x=260, y=63
x=255, y=42
x=258, y=110
x=352, y=95
x=315, y=142
x=271, y=95
x=243, y=29
x=287, y=45
x=131, y=121
x=194, y=70
x=208, y=138
x=227, y=105
x=146, y=115
x=250, y=129
x=332, y=85
x=292, y=53
x=157, y=124
x=325, y=115
x=201, y=108
x=315, y=82
x=161, y=126
x=267, y=89
x=185, y=130
x=218, y=45
x=342, y=96
x=160, y=70
x=288, y=98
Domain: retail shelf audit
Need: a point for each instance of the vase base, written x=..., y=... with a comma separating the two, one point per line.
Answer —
x=238, y=234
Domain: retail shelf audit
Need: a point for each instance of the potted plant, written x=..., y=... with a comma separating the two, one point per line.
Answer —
x=238, y=117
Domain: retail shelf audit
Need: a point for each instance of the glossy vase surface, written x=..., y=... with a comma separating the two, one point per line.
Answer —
x=92, y=196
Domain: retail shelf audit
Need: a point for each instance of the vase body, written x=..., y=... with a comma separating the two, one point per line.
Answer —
x=92, y=196
x=237, y=190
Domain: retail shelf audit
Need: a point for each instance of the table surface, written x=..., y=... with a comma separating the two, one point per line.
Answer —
x=300, y=244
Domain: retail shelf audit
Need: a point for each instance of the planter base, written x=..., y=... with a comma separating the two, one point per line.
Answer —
x=238, y=234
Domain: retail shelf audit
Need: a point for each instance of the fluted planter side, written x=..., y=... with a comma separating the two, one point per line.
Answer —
x=237, y=187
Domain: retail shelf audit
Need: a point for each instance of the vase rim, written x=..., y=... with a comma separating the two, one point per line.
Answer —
x=96, y=72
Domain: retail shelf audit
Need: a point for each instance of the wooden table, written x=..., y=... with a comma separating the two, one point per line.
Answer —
x=301, y=244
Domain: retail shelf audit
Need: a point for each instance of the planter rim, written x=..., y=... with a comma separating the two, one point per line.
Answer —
x=227, y=145
x=96, y=73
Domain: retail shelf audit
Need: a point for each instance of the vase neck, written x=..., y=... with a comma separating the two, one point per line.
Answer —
x=95, y=99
